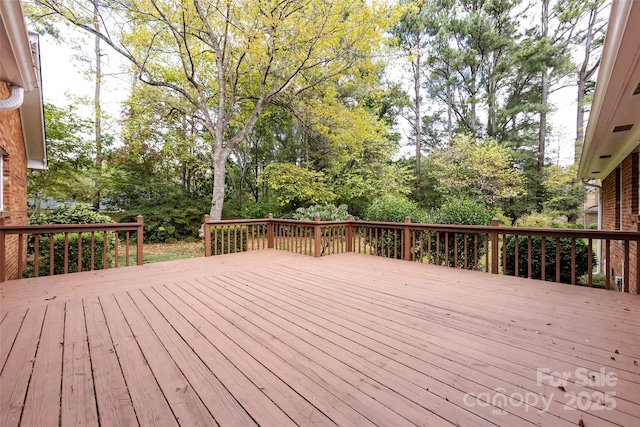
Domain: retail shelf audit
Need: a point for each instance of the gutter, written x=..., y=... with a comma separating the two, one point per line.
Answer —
x=15, y=29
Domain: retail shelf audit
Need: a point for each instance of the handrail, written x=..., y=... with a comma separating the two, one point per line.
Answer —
x=478, y=247
x=548, y=232
x=50, y=230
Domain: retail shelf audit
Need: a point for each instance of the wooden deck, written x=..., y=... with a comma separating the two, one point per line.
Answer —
x=274, y=339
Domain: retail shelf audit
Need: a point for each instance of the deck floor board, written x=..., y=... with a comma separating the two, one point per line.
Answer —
x=274, y=339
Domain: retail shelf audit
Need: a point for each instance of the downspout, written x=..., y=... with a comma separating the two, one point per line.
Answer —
x=599, y=242
x=14, y=101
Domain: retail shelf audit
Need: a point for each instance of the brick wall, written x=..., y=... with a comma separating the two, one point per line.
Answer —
x=626, y=216
x=14, y=179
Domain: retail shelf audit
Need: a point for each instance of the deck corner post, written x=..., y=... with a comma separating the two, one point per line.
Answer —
x=350, y=234
x=638, y=260
x=317, y=234
x=3, y=256
x=494, y=246
x=140, y=240
x=270, y=231
x=206, y=230
x=406, y=244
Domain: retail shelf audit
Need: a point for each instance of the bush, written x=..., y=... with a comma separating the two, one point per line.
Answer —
x=582, y=254
x=593, y=226
x=597, y=281
x=461, y=212
x=391, y=208
x=79, y=213
x=394, y=208
x=543, y=219
x=174, y=216
x=327, y=213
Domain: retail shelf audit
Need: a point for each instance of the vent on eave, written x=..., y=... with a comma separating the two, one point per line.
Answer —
x=637, y=91
x=622, y=128
x=607, y=156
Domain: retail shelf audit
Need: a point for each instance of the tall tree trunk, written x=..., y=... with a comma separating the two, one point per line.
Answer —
x=583, y=77
x=417, y=124
x=473, y=101
x=217, y=197
x=544, y=101
x=97, y=110
x=449, y=112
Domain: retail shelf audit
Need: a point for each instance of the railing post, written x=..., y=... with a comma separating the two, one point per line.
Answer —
x=638, y=260
x=140, y=239
x=270, y=231
x=3, y=256
x=206, y=229
x=349, y=234
x=318, y=237
x=494, y=246
x=406, y=244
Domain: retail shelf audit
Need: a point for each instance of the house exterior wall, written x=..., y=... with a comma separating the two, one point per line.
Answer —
x=622, y=185
x=14, y=180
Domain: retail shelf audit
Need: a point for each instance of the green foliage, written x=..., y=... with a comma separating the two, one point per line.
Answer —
x=545, y=219
x=461, y=212
x=394, y=208
x=262, y=208
x=69, y=152
x=79, y=213
x=168, y=216
x=481, y=171
x=564, y=193
x=582, y=258
x=597, y=281
x=391, y=208
x=325, y=212
x=296, y=186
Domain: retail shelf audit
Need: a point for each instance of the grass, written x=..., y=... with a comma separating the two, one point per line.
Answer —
x=159, y=252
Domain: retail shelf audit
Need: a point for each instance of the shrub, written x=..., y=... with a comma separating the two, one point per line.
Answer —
x=593, y=226
x=391, y=208
x=582, y=254
x=326, y=212
x=175, y=216
x=394, y=208
x=597, y=281
x=79, y=213
x=461, y=212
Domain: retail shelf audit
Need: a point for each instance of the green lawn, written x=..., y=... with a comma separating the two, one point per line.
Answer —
x=158, y=252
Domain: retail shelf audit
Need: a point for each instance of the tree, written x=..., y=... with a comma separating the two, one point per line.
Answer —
x=69, y=154
x=296, y=186
x=591, y=39
x=478, y=170
x=563, y=192
x=411, y=37
x=230, y=59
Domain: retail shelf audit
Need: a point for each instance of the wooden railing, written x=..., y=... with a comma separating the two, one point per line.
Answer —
x=493, y=249
x=64, y=248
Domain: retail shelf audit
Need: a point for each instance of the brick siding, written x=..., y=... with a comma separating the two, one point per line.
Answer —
x=628, y=214
x=14, y=179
